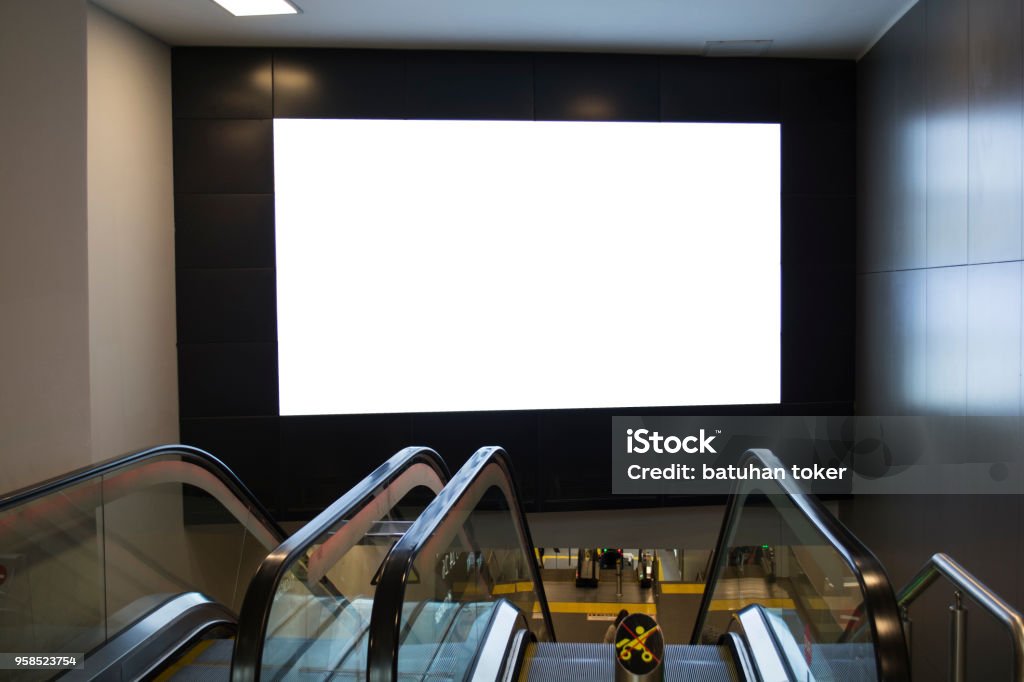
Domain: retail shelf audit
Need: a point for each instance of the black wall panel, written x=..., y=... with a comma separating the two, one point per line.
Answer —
x=818, y=294
x=723, y=90
x=250, y=445
x=819, y=230
x=225, y=305
x=816, y=91
x=227, y=379
x=494, y=86
x=588, y=87
x=810, y=155
x=323, y=456
x=817, y=327
x=224, y=103
x=222, y=83
x=339, y=84
x=224, y=231
x=222, y=156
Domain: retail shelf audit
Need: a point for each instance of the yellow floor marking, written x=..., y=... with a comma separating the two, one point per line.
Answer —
x=681, y=588
x=597, y=607
x=737, y=604
x=509, y=588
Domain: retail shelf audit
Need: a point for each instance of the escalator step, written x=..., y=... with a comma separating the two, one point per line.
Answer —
x=847, y=661
x=699, y=662
x=218, y=652
x=202, y=673
x=571, y=661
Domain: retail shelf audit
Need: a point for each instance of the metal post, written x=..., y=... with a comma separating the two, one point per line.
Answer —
x=957, y=640
x=618, y=577
x=908, y=629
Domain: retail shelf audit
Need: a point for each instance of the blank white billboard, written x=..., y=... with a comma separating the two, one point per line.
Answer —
x=430, y=266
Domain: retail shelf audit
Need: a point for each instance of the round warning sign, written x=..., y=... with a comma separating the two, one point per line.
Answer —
x=639, y=645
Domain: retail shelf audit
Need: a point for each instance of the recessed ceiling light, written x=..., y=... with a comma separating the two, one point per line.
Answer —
x=253, y=8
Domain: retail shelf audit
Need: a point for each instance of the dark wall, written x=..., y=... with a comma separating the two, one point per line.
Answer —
x=939, y=287
x=224, y=103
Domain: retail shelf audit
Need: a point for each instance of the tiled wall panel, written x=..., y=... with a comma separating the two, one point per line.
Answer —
x=939, y=301
x=224, y=104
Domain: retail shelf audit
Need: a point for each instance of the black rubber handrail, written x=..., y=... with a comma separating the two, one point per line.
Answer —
x=879, y=607
x=185, y=453
x=386, y=616
x=254, y=617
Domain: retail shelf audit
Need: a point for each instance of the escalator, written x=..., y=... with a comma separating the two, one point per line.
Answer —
x=162, y=564
x=471, y=548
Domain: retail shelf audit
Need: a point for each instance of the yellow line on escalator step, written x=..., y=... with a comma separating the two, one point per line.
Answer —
x=185, y=660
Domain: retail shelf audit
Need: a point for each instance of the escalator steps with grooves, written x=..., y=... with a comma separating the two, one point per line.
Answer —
x=571, y=661
x=703, y=662
x=203, y=673
x=211, y=664
x=846, y=661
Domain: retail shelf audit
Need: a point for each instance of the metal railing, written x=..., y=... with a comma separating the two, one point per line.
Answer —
x=943, y=565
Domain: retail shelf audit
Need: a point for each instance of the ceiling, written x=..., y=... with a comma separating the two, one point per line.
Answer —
x=798, y=28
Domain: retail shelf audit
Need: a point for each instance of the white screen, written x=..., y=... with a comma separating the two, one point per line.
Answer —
x=480, y=265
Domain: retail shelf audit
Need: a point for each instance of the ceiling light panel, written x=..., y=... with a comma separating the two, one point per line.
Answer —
x=255, y=8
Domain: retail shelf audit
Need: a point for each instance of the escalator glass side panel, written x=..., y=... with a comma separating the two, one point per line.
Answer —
x=168, y=528
x=85, y=556
x=308, y=607
x=456, y=654
x=469, y=549
x=472, y=562
x=52, y=557
x=822, y=661
x=785, y=552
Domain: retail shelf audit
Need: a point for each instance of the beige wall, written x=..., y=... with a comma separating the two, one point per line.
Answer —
x=133, y=367
x=87, y=350
x=44, y=345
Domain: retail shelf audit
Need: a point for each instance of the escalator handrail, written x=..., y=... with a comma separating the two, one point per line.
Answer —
x=879, y=607
x=186, y=453
x=254, y=616
x=385, y=619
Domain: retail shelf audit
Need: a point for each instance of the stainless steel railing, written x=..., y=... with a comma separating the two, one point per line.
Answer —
x=966, y=583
